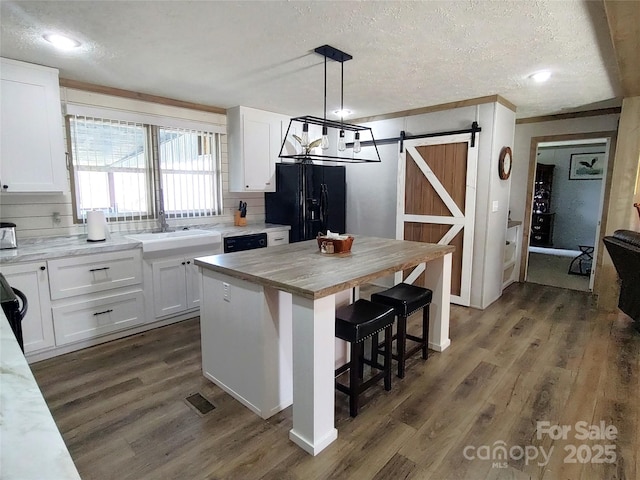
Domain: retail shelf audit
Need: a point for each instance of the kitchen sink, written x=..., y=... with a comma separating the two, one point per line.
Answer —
x=156, y=242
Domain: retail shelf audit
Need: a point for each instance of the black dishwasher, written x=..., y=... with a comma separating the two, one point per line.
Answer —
x=245, y=242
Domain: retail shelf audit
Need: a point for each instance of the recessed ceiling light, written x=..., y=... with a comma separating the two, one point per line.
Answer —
x=61, y=42
x=342, y=113
x=540, y=77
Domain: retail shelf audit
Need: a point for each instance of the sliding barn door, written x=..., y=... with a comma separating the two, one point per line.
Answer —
x=436, y=203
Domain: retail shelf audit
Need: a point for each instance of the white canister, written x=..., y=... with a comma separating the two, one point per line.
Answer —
x=96, y=226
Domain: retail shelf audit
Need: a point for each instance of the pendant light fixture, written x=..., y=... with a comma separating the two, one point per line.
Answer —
x=338, y=141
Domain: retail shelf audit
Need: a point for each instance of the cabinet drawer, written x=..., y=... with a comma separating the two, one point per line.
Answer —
x=540, y=239
x=539, y=219
x=277, y=238
x=94, y=273
x=92, y=318
x=537, y=229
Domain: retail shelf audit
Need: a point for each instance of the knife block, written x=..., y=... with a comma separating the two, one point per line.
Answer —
x=239, y=221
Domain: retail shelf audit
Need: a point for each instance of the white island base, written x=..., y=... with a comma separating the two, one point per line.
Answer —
x=247, y=342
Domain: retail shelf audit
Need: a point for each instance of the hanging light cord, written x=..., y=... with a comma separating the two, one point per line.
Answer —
x=325, y=88
x=341, y=94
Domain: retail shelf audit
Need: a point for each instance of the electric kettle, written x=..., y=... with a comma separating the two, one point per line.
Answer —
x=8, y=235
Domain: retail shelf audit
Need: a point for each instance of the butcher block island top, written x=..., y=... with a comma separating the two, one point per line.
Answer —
x=302, y=270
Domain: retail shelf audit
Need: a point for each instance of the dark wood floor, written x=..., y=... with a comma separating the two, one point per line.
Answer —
x=538, y=354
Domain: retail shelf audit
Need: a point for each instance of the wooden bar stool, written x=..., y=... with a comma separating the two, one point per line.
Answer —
x=405, y=299
x=354, y=324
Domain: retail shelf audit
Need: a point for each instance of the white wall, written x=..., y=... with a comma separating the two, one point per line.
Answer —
x=491, y=254
x=372, y=188
x=523, y=135
x=34, y=214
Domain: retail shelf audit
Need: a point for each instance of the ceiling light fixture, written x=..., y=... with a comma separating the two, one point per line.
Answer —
x=61, y=42
x=540, y=77
x=342, y=113
x=340, y=150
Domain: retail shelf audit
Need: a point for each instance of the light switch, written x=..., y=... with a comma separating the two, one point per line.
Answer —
x=225, y=289
x=495, y=206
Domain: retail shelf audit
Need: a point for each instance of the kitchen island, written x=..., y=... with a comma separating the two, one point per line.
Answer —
x=268, y=322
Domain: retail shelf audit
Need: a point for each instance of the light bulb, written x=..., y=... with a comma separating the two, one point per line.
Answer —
x=61, y=42
x=304, y=141
x=357, y=148
x=341, y=145
x=325, y=139
x=541, y=77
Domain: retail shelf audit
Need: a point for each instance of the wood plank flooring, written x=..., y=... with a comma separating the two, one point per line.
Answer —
x=538, y=354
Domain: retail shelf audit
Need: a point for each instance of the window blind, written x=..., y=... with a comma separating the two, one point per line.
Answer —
x=111, y=168
x=133, y=171
x=190, y=167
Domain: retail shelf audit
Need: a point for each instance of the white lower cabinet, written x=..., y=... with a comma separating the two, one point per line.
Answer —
x=277, y=238
x=95, y=295
x=176, y=285
x=97, y=316
x=73, y=276
x=37, y=326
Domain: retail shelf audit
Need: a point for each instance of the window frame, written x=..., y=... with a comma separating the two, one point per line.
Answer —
x=153, y=171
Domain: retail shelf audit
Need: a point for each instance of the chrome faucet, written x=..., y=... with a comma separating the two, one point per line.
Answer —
x=162, y=216
x=162, y=219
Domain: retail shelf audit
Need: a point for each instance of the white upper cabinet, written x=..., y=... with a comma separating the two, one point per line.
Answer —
x=254, y=141
x=33, y=154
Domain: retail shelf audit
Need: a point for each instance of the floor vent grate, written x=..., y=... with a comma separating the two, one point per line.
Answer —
x=200, y=403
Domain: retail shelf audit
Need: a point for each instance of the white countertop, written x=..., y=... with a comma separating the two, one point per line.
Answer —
x=47, y=248
x=31, y=446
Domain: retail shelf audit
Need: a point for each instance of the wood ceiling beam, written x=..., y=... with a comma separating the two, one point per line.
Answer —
x=623, y=17
x=118, y=92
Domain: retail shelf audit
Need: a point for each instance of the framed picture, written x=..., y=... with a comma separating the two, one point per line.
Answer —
x=586, y=166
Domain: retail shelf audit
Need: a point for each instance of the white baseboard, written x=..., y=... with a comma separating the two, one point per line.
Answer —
x=559, y=252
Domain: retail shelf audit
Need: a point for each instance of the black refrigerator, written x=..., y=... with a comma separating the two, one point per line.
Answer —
x=310, y=198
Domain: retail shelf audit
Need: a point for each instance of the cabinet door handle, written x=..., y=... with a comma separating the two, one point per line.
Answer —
x=102, y=313
x=184, y=263
x=43, y=268
x=188, y=262
x=278, y=239
x=98, y=269
x=5, y=187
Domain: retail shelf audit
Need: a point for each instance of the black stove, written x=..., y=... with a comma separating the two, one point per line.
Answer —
x=14, y=304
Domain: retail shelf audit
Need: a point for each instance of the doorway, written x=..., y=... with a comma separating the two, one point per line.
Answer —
x=565, y=208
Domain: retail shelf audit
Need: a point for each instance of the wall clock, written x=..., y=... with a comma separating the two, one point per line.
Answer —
x=504, y=163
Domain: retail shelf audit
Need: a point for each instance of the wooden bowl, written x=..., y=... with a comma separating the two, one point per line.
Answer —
x=339, y=246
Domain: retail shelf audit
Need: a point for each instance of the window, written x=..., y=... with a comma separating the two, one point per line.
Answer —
x=111, y=168
x=132, y=171
x=189, y=172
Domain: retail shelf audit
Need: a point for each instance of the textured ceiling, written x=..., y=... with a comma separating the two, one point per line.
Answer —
x=406, y=54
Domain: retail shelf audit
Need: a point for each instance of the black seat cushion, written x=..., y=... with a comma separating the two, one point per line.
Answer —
x=404, y=298
x=362, y=319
